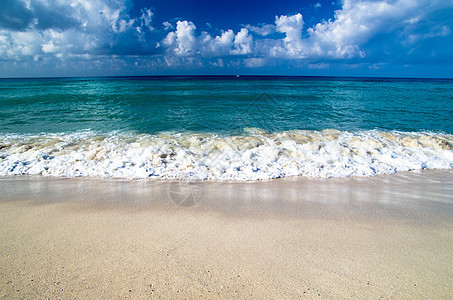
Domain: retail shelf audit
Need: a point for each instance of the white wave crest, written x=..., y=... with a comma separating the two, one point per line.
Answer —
x=258, y=155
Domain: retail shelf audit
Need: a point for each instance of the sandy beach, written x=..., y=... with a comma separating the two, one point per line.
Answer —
x=75, y=238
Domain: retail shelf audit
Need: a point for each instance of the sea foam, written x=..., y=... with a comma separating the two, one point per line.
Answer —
x=252, y=156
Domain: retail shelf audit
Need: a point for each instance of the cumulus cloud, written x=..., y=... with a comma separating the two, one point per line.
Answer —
x=360, y=30
x=182, y=41
x=262, y=29
x=292, y=27
x=374, y=28
x=368, y=31
x=243, y=42
x=41, y=29
x=20, y=15
x=374, y=32
x=185, y=42
x=217, y=46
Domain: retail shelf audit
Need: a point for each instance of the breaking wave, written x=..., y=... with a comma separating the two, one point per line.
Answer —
x=252, y=156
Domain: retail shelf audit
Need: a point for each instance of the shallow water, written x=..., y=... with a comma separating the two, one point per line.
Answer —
x=224, y=127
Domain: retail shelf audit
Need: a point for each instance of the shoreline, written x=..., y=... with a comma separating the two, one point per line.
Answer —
x=421, y=190
x=251, y=154
x=384, y=236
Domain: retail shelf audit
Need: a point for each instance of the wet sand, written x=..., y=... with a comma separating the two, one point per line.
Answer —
x=385, y=236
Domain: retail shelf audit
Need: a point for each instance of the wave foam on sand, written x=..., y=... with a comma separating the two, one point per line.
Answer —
x=253, y=156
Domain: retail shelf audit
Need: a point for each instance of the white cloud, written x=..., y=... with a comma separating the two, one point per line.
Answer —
x=318, y=66
x=353, y=26
x=170, y=39
x=168, y=26
x=396, y=22
x=243, y=42
x=255, y=62
x=58, y=28
x=146, y=18
x=263, y=29
x=61, y=32
x=183, y=39
x=218, y=46
x=124, y=25
x=351, y=34
x=50, y=47
x=292, y=27
x=184, y=42
x=436, y=31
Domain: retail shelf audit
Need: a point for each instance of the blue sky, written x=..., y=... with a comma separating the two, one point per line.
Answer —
x=402, y=38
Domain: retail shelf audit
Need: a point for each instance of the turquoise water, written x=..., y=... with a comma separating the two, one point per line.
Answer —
x=220, y=105
x=224, y=127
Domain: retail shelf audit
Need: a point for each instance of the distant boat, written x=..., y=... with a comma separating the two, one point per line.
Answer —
x=237, y=76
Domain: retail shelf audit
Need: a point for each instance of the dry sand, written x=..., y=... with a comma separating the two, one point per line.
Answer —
x=386, y=236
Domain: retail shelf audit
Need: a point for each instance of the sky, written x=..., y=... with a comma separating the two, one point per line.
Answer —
x=396, y=38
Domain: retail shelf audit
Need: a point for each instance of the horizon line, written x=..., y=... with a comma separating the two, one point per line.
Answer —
x=225, y=76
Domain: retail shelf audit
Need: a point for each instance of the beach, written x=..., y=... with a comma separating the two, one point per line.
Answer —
x=220, y=187
x=226, y=150
x=387, y=236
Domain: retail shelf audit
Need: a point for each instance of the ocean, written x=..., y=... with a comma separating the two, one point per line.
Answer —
x=224, y=127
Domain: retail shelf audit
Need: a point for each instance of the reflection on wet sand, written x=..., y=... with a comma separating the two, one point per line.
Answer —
x=402, y=194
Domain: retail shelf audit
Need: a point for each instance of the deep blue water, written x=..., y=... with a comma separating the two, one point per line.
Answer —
x=224, y=105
